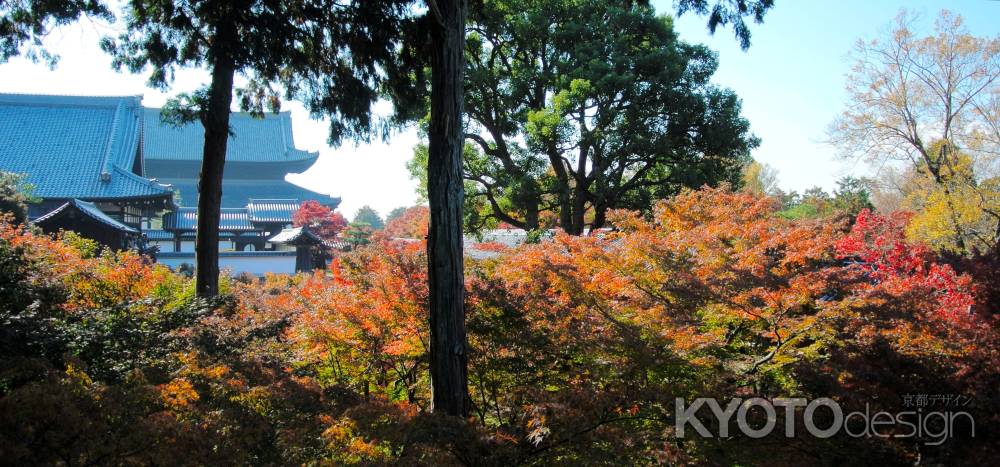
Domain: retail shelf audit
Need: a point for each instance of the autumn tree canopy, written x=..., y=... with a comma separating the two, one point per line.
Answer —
x=411, y=223
x=578, y=346
x=931, y=105
x=322, y=220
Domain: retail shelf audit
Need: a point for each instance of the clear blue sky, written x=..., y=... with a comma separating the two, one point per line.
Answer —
x=791, y=82
x=791, y=79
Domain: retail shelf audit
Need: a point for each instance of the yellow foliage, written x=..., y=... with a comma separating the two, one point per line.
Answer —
x=178, y=394
x=78, y=376
x=956, y=216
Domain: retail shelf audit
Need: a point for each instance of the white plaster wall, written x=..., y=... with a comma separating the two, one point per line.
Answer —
x=187, y=246
x=239, y=264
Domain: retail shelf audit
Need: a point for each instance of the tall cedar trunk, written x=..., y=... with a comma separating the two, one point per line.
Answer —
x=448, y=355
x=216, y=123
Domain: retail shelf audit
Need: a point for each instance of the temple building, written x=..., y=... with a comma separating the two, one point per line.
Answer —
x=260, y=152
x=87, y=220
x=85, y=149
x=111, y=170
x=246, y=228
x=257, y=201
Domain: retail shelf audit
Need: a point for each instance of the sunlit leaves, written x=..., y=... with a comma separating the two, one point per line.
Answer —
x=320, y=219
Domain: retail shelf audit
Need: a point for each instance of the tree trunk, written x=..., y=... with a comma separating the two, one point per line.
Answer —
x=216, y=123
x=562, y=178
x=448, y=354
x=600, y=217
x=578, y=210
x=530, y=201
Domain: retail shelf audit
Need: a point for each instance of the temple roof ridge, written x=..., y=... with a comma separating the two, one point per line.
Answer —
x=253, y=138
x=75, y=146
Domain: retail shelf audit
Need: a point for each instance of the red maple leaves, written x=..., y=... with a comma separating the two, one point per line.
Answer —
x=322, y=220
x=877, y=246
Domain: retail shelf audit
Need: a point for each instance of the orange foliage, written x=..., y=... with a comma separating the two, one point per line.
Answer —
x=711, y=266
x=578, y=345
x=107, y=279
x=412, y=223
x=363, y=320
x=324, y=221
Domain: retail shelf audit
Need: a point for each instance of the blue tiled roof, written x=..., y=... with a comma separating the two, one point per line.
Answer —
x=237, y=193
x=75, y=147
x=160, y=235
x=232, y=219
x=267, y=139
x=89, y=210
x=272, y=210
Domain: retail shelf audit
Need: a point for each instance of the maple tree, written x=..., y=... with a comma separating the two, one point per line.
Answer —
x=320, y=219
x=410, y=223
x=365, y=324
x=577, y=345
x=723, y=295
x=895, y=266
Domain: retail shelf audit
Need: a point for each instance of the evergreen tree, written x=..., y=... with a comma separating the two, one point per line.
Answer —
x=326, y=54
x=368, y=215
x=569, y=118
x=24, y=24
x=357, y=234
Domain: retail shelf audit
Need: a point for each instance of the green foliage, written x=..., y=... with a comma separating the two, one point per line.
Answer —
x=357, y=234
x=571, y=118
x=801, y=211
x=25, y=23
x=850, y=198
x=297, y=46
x=478, y=210
x=86, y=247
x=417, y=167
x=368, y=215
x=15, y=194
x=729, y=12
x=852, y=195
